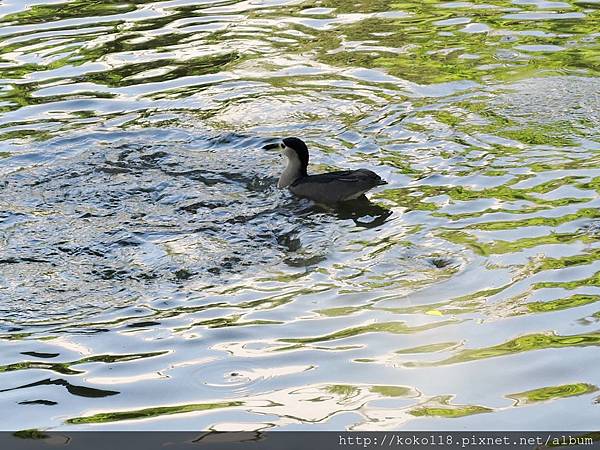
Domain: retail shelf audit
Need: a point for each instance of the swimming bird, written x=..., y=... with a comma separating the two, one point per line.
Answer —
x=326, y=188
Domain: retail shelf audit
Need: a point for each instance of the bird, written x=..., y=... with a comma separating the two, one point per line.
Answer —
x=324, y=188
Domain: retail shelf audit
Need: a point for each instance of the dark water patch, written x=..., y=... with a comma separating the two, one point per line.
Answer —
x=81, y=391
x=41, y=354
x=39, y=402
x=143, y=324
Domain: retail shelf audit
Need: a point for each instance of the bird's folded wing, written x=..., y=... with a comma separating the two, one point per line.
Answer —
x=345, y=176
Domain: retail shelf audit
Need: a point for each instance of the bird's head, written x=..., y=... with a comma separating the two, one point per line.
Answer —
x=296, y=151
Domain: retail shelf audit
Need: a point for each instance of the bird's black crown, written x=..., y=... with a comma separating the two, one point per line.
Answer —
x=300, y=148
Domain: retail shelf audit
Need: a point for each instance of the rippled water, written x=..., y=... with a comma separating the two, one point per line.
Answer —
x=153, y=277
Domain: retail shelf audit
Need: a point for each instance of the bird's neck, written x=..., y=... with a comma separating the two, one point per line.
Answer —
x=292, y=172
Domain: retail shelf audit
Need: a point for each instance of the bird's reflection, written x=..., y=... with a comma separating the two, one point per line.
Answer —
x=363, y=212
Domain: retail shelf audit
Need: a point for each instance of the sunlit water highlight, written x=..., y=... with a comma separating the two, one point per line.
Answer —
x=153, y=277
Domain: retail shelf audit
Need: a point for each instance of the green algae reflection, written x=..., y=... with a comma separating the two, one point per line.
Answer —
x=346, y=391
x=393, y=391
x=148, y=413
x=562, y=303
x=431, y=42
x=527, y=343
x=385, y=327
x=430, y=348
x=441, y=407
x=65, y=367
x=502, y=247
x=552, y=393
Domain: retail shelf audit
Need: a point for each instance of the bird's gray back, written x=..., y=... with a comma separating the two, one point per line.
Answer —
x=334, y=187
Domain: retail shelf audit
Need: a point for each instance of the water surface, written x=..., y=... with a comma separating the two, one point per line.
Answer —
x=153, y=277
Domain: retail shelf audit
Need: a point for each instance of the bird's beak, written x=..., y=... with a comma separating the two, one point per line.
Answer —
x=276, y=146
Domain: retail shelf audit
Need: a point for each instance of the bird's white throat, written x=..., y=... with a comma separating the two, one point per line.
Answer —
x=293, y=171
